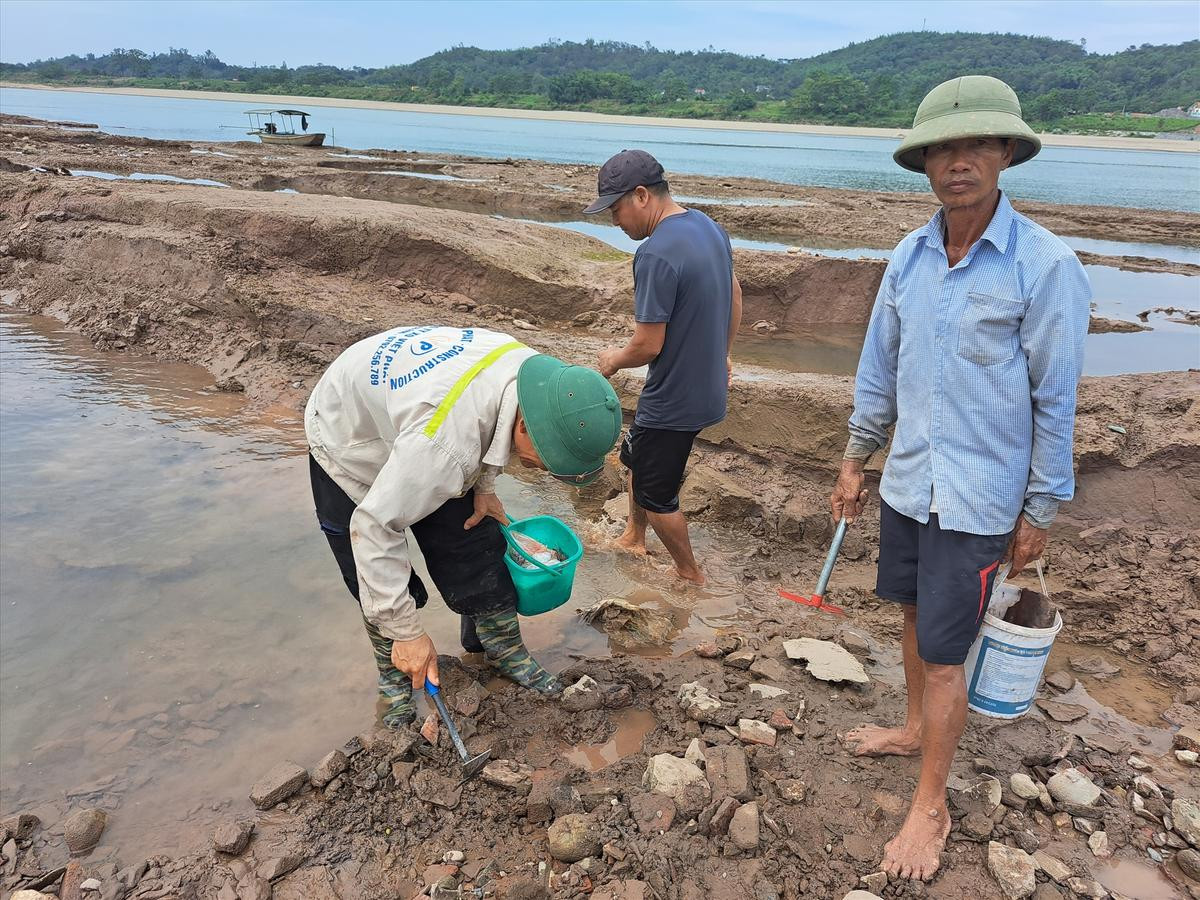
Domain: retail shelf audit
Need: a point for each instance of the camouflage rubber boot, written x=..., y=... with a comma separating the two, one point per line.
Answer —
x=500, y=635
x=395, y=688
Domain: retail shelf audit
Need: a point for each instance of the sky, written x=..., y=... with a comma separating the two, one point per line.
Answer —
x=373, y=33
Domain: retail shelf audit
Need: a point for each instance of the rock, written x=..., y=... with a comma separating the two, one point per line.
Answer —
x=700, y=705
x=1084, y=826
x=982, y=796
x=1186, y=814
x=1053, y=866
x=278, y=866
x=769, y=669
x=714, y=821
x=401, y=774
x=583, y=695
x=1085, y=888
x=826, y=660
x=1189, y=863
x=253, y=887
x=855, y=643
x=695, y=753
x=20, y=826
x=743, y=827
x=232, y=837
x=32, y=895
x=728, y=772
x=752, y=731
x=1061, y=680
x=652, y=812
x=1072, y=786
x=1013, y=870
x=861, y=895
x=779, y=721
x=1098, y=844
x=332, y=765
x=766, y=692
x=792, y=790
x=1187, y=739
x=1145, y=786
x=436, y=789
x=430, y=730
x=1023, y=786
x=707, y=650
x=984, y=766
x=728, y=643
x=678, y=779
x=1062, y=712
x=454, y=857
x=740, y=659
x=508, y=774
x=1188, y=757
x=278, y=784
x=83, y=828
x=1140, y=765
x=976, y=825
x=1093, y=665
x=574, y=837
x=91, y=884
x=875, y=882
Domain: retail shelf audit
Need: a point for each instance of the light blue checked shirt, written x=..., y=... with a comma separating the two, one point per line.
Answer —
x=977, y=368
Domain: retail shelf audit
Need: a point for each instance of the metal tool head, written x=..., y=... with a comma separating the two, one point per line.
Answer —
x=474, y=765
x=817, y=601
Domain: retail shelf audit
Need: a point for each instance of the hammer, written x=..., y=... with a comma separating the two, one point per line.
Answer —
x=472, y=765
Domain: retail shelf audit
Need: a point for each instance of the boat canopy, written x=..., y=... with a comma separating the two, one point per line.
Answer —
x=281, y=112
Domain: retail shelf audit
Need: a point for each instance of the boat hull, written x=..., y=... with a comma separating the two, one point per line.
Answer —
x=316, y=139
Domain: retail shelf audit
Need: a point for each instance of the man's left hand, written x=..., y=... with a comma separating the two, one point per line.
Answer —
x=1027, y=545
x=607, y=362
x=486, y=505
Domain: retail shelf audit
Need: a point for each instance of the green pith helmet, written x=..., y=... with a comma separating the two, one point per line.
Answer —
x=970, y=106
x=572, y=414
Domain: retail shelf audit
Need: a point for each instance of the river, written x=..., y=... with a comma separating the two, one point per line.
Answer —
x=1145, y=179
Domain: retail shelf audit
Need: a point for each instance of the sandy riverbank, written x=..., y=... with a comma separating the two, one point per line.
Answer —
x=1050, y=140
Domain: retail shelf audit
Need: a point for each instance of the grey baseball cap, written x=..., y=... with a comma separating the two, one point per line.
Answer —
x=621, y=174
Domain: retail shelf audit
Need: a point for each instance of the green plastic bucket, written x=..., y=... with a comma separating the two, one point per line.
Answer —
x=543, y=587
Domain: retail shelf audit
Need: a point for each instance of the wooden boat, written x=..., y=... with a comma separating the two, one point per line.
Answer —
x=270, y=131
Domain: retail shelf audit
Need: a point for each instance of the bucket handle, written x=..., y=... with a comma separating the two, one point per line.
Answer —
x=512, y=542
x=1037, y=564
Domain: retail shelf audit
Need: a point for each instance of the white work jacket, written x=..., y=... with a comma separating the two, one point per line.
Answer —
x=403, y=421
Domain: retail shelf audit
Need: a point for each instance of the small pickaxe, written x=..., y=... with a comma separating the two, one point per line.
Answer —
x=818, y=599
x=472, y=765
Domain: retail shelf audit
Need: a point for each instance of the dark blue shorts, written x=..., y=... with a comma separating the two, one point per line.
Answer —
x=657, y=459
x=947, y=575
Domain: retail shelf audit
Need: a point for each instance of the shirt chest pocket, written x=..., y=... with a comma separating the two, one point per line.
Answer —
x=987, y=331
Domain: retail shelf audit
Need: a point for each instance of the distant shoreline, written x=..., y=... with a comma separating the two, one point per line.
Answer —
x=1049, y=140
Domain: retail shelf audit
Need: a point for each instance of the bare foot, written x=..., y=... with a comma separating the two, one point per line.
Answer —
x=916, y=851
x=874, y=740
x=692, y=576
x=632, y=543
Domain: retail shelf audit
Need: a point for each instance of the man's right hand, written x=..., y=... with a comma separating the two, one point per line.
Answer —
x=849, y=496
x=417, y=659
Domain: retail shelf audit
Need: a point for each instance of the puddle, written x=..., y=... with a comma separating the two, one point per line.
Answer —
x=286, y=191
x=214, y=153
x=1138, y=879
x=829, y=350
x=355, y=156
x=1132, y=248
x=632, y=727
x=143, y=176
x=430, y=176
x=615, y=237
x=188, y=627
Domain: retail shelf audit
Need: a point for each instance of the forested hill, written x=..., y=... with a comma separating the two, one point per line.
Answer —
x=877, y=82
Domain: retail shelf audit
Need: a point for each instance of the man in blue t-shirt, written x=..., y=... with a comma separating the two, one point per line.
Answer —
x=688, y=306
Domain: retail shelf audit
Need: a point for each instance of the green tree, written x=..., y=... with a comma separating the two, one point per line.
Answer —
x=829, y=96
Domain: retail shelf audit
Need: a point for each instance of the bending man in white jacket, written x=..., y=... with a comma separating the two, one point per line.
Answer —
x=409, y=429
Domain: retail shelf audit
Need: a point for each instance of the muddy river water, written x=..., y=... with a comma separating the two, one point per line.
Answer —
x=172, y=621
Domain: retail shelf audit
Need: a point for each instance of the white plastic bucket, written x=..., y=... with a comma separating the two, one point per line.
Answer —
x=1005, y=666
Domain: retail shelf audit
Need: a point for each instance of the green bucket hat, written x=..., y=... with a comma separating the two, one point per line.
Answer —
x=573, y=416
x=970, y=106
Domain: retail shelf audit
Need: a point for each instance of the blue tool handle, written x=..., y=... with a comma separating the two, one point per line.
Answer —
x=838, y=534
x=432, y=690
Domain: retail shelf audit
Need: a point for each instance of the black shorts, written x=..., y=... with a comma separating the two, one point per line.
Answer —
x=657, y=458
x=466, y=565
x=947, y=575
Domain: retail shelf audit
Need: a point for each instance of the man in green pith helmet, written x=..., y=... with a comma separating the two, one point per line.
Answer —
x=409, y=429
x=973, y=353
